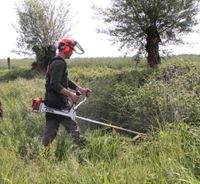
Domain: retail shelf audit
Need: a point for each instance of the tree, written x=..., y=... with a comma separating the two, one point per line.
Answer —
x=40, y=24
x=142, y=24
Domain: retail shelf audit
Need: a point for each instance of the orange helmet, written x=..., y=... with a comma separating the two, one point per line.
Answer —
x=68, y=45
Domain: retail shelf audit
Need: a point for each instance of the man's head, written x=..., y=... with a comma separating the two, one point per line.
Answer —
x=66, y=47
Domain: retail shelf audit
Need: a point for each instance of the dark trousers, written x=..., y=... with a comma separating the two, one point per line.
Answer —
x=52, y=125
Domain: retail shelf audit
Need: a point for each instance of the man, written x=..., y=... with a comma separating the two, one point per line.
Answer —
x=57, y=93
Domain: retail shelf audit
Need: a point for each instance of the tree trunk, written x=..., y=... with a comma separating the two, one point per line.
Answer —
x=44, y=55
x=152, y=46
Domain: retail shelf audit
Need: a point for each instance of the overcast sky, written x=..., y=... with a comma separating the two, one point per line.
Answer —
x=84, y=31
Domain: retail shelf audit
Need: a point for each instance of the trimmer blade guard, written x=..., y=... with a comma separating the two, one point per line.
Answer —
x=36, y=103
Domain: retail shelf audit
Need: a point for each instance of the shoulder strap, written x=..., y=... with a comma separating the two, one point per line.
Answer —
x=56, y=58
x=52, y=60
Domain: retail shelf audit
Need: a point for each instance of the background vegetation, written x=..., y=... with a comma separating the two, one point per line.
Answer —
x=162, y=102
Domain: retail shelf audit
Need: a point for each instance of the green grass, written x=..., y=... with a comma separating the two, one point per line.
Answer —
x=163, y=102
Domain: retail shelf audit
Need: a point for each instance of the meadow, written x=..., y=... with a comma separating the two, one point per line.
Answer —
x=163, y=103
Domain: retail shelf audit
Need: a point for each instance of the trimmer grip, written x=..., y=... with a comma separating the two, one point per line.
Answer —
x=78, y=93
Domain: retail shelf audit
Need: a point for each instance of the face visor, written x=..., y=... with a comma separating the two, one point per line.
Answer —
x=78, y=49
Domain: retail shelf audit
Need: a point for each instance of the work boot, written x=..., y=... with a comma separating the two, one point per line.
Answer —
x=82, y=141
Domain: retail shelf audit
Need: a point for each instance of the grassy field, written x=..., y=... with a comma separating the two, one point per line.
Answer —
x=163, y=102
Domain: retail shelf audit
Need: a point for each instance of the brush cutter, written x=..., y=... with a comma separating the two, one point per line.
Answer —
x=38, y=105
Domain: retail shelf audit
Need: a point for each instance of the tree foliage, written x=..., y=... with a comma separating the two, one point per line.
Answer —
x=129, y=20
x=40, y=24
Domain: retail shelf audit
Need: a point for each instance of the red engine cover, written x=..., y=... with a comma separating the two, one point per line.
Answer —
x=36, y=103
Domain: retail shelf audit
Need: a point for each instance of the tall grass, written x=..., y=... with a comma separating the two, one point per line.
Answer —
x=134, y=97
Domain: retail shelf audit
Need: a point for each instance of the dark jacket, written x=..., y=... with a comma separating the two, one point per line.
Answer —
x=57, y=79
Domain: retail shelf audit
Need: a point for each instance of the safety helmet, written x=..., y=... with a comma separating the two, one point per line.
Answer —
x=68, y=45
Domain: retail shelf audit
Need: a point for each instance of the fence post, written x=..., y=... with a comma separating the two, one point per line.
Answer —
x=8, y=61
x=1, y=110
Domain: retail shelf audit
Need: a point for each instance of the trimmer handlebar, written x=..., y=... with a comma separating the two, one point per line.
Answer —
x=81, y=102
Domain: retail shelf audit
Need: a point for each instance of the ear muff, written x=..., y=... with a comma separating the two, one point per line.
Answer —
x=67, y=46
x=67, y=49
